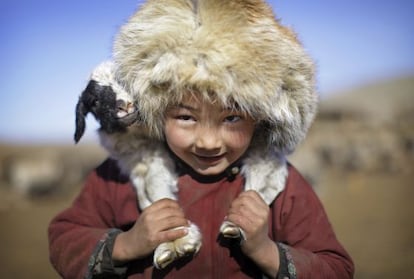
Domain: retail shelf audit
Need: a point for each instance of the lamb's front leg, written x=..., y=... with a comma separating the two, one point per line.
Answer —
x=154, y=179
x=264, y=172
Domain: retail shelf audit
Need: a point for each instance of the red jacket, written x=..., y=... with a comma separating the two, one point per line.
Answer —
x=108, y=200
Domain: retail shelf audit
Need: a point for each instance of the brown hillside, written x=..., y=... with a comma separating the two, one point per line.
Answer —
x=359, y=154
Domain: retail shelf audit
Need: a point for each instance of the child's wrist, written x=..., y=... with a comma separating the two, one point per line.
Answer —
x=266, y=256
x=120, y=252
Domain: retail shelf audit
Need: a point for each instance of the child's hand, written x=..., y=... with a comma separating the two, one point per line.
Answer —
x=250, y=212
x=151, y=228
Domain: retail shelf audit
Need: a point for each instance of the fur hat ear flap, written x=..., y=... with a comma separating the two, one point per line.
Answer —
x=110, y=105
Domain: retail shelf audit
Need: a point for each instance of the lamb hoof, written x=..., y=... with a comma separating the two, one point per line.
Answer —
x=230, y=230
x=184, y=249
x=165, y=259
x=164, y=254
x=189, y=244
x=189, y=249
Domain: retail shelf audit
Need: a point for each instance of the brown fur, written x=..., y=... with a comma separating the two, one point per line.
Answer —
x=235, y=49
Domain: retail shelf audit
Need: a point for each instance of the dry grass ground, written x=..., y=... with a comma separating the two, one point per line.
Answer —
x=373, y=216
x=23, y=237
x=24, y=220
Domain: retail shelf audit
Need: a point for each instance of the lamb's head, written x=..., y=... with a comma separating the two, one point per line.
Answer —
x=112, y=107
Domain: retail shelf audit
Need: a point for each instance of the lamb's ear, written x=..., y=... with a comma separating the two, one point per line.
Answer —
x=86, y=103
x=80, y=120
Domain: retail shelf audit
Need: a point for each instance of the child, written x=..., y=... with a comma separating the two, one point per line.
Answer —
x=214, y=82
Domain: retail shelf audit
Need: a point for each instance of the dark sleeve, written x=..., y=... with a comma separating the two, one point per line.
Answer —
x=306, y=241
x=287, y=269
x=101, y=264
x=76, y=234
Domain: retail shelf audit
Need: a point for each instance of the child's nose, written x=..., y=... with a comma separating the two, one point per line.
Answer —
x=208, y=138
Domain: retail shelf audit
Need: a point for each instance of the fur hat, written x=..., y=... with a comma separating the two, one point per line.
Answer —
x=233, y=50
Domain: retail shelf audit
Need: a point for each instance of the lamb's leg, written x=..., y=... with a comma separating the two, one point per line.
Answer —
x=265, y=172
x=155, y=180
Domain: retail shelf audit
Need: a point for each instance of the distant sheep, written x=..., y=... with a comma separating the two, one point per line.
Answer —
x=34, y=175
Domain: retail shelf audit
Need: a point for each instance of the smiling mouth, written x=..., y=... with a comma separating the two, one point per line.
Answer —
x=209, y=159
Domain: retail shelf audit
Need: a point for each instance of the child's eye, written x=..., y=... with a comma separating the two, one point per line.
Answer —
x=184, y=117
x=232, y=118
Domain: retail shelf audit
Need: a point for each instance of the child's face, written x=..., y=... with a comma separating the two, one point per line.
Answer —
x=206, y=136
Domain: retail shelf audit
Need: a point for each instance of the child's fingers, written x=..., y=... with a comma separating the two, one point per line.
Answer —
x=163, y=204
x=171, y=222
x=165, y=214
x=161, y=220
x=251, y=197
x=249, y=211
x=157, y=237
x=249, y=203
x=172, y=234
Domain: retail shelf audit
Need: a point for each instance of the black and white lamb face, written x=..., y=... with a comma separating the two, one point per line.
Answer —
x=109, y=103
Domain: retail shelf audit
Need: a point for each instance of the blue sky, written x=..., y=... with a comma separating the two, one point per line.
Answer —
x=48, y=49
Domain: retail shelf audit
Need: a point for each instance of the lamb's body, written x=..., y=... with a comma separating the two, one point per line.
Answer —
x=151, y=171
x=145, y=160
x=150, y=167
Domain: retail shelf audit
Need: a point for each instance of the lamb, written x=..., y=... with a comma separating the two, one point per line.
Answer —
x=150, y=168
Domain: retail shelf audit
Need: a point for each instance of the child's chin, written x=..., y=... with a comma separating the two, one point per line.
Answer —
x=210, y=170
